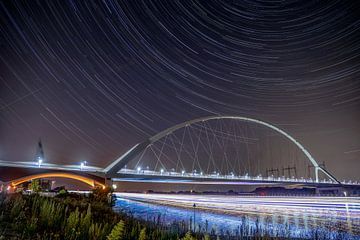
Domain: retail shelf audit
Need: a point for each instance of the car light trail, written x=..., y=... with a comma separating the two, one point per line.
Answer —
x=316, y=210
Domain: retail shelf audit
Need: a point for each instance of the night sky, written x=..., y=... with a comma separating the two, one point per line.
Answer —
x=92, y=78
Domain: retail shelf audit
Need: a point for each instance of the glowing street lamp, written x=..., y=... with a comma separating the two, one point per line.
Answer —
x=114, y=186
x=138, y=169
x=161, y=171
x=82, y=165
x=39, y=161
x=183, y=172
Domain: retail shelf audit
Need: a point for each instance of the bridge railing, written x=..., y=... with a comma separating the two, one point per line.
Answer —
x=220, y=176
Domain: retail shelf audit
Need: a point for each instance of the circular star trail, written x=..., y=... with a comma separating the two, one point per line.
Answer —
x=92, y=78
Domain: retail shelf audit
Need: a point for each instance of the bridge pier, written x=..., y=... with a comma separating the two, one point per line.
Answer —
x=317, y=174
x=108, y=182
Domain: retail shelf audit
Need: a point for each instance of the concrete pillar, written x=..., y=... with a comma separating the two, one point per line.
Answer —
x=108, y=182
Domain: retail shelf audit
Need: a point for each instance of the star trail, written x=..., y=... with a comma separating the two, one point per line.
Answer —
x=92, y=78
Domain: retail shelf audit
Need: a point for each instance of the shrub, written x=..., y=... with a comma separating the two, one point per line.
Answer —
x=143, y=235
x=188, y=236
x=118, y=232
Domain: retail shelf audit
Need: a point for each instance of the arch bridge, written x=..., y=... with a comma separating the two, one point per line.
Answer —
x=112, y=169
x=94, y=176
x=16, y=175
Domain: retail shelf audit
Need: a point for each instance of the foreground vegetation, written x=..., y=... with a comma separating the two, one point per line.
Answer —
x=72, y=216
x=76, y=217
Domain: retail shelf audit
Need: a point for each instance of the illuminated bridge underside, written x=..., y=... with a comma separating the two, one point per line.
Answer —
x=83, y=179
x=113, y=169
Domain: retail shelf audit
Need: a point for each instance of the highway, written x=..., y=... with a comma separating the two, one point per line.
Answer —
x=315, y=211
x=233, y=204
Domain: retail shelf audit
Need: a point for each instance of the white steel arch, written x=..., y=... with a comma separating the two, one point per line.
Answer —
x=124, y=159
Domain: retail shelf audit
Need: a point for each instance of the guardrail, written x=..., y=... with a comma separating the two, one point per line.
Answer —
x=231, y=176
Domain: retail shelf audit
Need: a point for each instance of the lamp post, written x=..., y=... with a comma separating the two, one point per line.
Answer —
x=82, y=165
x=194, y=206
x=39, y=161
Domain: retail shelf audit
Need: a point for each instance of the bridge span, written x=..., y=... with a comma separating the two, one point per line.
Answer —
x=14, y=173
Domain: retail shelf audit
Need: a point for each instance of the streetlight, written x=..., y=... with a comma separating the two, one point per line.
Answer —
x=183, y=172
x=39, y=161
x=114, y=186
x=139, y=169
x=82, y=165
x=161, y=171
x=194, y=206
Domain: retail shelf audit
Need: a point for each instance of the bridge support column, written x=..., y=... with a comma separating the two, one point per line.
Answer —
x=108, y=182
x=317, y=174
x=317, y=168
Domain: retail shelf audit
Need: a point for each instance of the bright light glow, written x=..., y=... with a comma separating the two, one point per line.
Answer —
x=161, y=171
x=39, y=161
x=301, y=213
x=265, y=205
x=139, y=169
x=114, y=186
x=86, y=180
